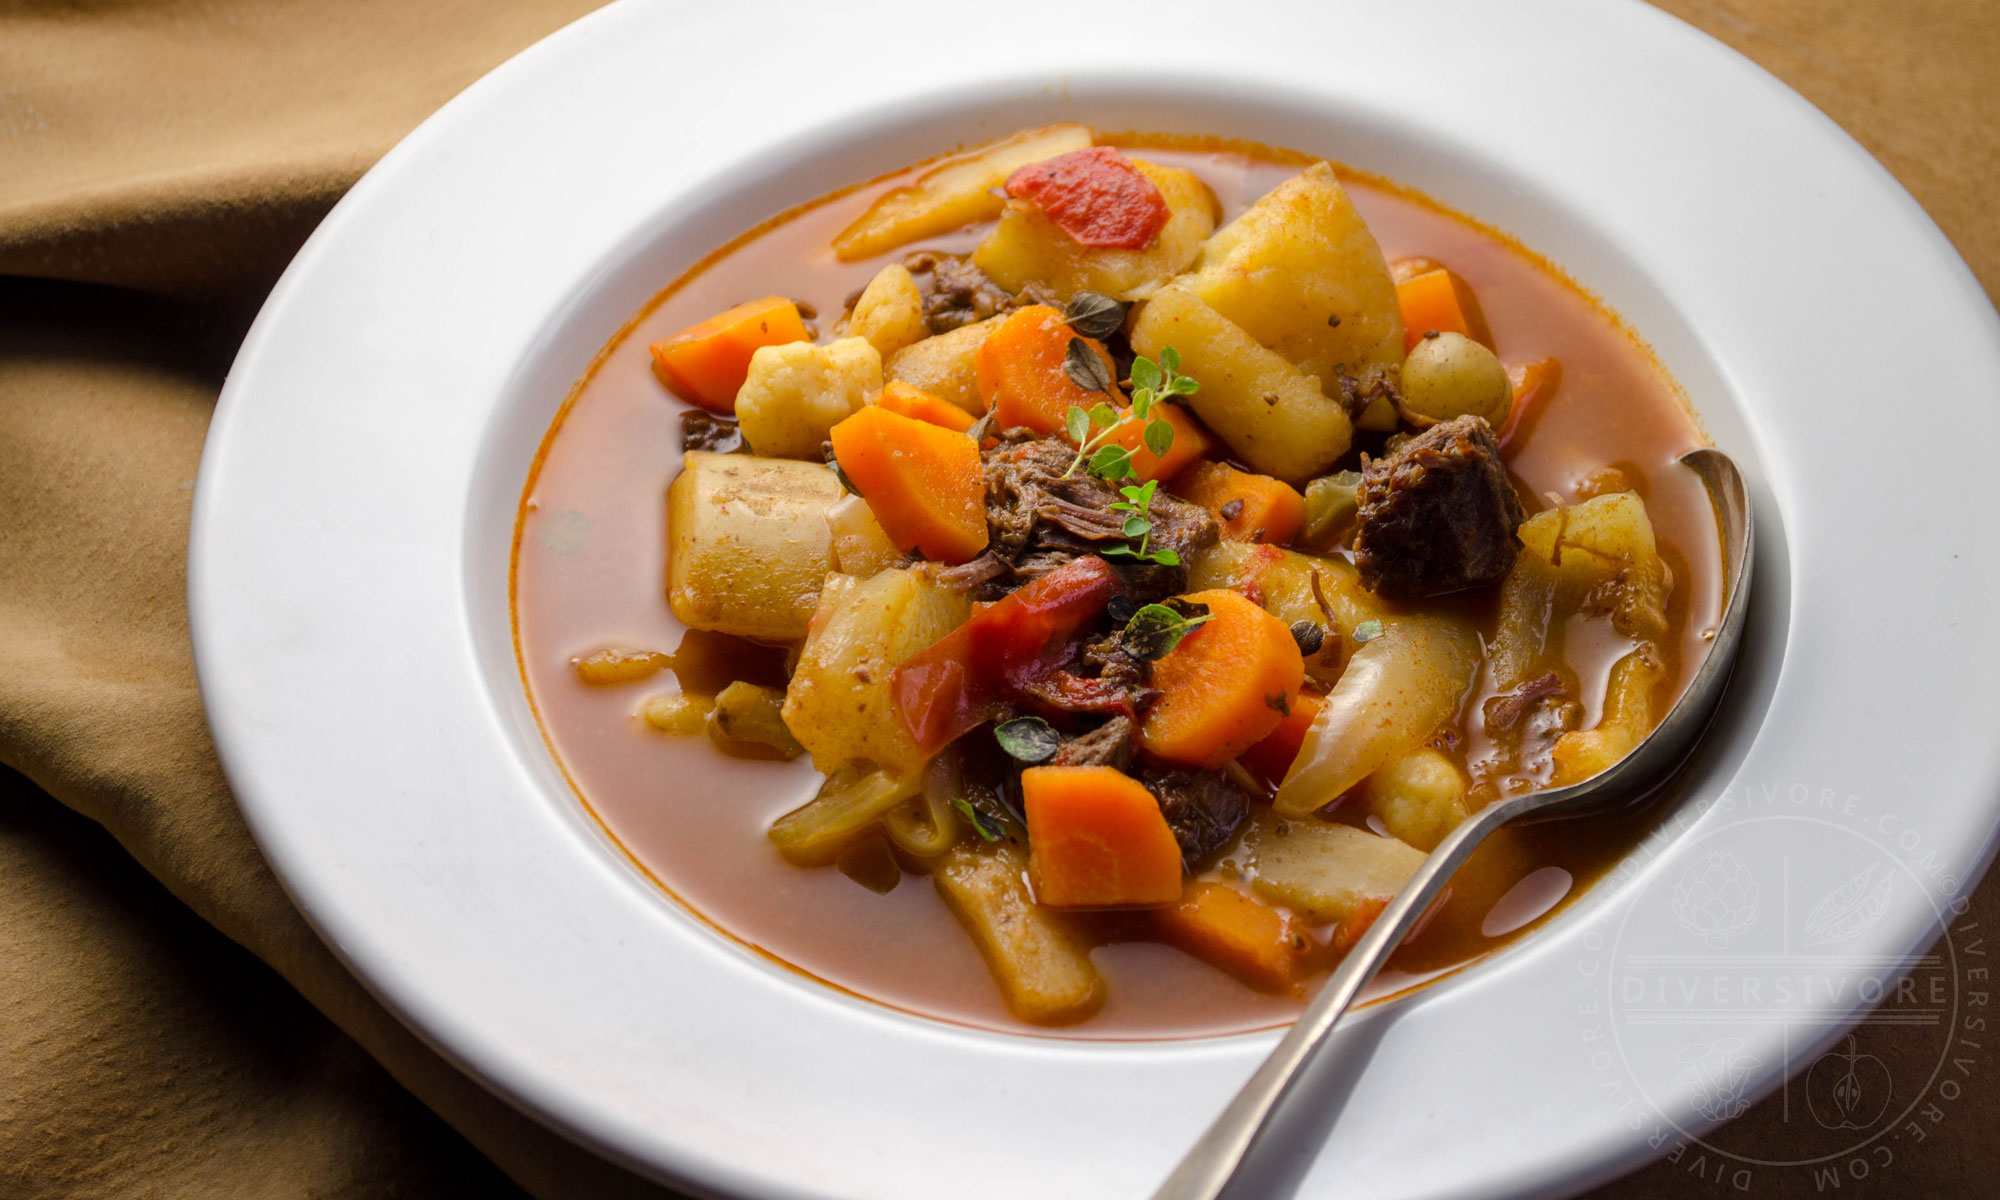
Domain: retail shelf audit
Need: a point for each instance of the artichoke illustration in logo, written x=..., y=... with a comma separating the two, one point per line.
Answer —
x=1846, y=1089
x=1716, y=898
x=1850, y=909
x=1718, y=1074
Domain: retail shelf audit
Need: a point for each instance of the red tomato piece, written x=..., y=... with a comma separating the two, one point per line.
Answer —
x=947, y=690
x=1096, y=196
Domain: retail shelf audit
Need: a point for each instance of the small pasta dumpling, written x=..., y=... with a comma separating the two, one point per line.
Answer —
x=796, y=393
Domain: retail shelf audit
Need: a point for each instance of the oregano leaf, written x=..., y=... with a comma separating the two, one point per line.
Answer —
x=1085, y=367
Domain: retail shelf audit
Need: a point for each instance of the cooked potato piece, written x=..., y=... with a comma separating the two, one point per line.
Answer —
x=838, y=704
x=1324, y=870
x=1299, y=272
x=955, y=193
x=1419, y=797
x=1271, y=413
x=1449, y=375
x=943, y=365
x=748, y=545
x=1395, y=693
x=1027, y=247
x=797, y=392
x=860, y=547
x=1628, y=716
x=1040, y=962
x=890, y=312
x=748, y=714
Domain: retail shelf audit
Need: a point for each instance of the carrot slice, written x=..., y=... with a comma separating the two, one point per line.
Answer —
x=1251, y=508
x=1019, y=369
x=1225, y=687
x=1356, y=925
x=1533, y=383
x=706, y=364
x=923, y=483
x=1097, y=839
x=1430, y=302
x=1271, y=759
x=919, y=405
x=1256, y=942
x=1191, y=442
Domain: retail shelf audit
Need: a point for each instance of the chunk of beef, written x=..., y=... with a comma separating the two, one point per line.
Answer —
x=1203, y=808
x=707, y=431
x=1438, y=514
x=956, y=293
x=1039, y=517
x=1104, y=678
x=1109, y=745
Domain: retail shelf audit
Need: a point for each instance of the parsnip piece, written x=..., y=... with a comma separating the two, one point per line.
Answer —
x=1026, y=247
x=860, y=547
x=1419, y=797
x=1270, y=412
x=796, y=393
x=1395, y=693
x=1628, y=717
x=748, y=545
x=1324, y=870
x=890, y=311
x=944, y=365
x=838, y=704
x=1042, y=965
x=955, y=193
x=1300, y=272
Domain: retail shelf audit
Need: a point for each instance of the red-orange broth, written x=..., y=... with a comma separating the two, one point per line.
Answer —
x=590, y=562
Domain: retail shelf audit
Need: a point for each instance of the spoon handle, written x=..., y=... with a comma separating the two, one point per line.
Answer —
x=1213, y=1160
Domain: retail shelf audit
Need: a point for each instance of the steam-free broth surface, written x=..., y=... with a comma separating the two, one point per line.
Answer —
x=591, y=560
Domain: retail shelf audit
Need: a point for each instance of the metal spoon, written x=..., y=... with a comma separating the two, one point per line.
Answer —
x=1215, y=1159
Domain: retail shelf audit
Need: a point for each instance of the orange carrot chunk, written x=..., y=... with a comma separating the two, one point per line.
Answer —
x=1225, y=687
x=1256, y=942
x=1533, y=384
x=918, y=404
x=1250, y=508
x=1191, y=442
x=1020, y=372
x=1271, y=759
x=923, y=483
x=1430, y=302
x=1097, y=839
x=706, y=364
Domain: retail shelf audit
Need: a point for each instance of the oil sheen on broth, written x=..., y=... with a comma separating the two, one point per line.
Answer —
x=590, y=561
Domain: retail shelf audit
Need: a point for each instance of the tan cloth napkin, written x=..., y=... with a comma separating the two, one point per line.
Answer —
x=159, y=164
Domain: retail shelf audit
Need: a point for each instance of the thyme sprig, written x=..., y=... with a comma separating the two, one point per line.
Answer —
x=1153, y=383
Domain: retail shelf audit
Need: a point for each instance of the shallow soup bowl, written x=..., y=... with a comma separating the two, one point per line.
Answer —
x=357, y=504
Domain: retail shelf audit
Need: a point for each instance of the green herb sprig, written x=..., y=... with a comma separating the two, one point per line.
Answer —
x=1138, y=509
x=1156, y=629
x=977, y=822
x=1092, y=429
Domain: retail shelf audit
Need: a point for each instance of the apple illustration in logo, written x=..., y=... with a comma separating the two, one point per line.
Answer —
x=1847, y=1089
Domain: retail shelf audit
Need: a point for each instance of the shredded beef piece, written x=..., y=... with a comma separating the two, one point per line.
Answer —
x=956, y=293
x=1203, y=808
x=1506, y=711
x=1438, y=514
x=1109, y=745
x=1038, y=519
x=1358, y=392
x=707, y=431
x=1103, y=679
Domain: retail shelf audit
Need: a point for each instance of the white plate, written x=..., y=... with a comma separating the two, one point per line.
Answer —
x=348, y=575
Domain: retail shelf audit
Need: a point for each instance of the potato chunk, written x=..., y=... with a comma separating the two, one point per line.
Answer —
x=748, y=545
x=1027, y=247
x=1300, y=272
x=955, y=193
x=943, y=365
x=1270, y=412
x=890, y=311
x=838, y=705
x=798, y=392
x=1324, y=870
x=1037, y=957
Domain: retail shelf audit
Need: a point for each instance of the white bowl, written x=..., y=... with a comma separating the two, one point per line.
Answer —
x=348, y=572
